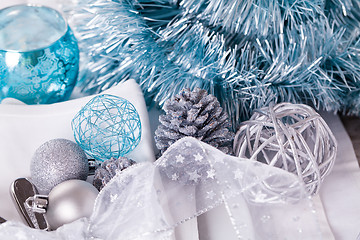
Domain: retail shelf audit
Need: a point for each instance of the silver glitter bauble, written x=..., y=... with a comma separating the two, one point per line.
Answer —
x=56, y=161
x=69, y=201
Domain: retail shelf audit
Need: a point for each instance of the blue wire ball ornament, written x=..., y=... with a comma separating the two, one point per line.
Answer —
x=107, y=127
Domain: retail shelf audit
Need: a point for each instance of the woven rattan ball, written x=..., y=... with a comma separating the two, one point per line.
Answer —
x=107, y=127
x=290, y=136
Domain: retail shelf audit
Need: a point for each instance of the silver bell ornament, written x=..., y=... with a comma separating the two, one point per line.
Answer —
x=67, y=202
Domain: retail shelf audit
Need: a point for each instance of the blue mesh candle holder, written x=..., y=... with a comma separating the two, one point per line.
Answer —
x=107, y=126
x=39, y=55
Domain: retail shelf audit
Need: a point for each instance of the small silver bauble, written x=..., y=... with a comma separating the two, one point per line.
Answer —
x=69, y=201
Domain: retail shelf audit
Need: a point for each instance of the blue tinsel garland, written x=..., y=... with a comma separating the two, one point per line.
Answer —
x=247, y=53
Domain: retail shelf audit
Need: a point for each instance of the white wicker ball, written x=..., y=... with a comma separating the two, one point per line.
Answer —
x=290, y=136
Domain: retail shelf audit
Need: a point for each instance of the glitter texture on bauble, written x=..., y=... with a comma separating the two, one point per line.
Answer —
x=56, y=161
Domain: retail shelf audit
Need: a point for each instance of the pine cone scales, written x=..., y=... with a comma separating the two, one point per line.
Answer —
x=108, y=169
x=197, y=114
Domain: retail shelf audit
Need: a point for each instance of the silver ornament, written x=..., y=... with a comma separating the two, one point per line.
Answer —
x=56, y=161
x=293, y=137
x=69, y=201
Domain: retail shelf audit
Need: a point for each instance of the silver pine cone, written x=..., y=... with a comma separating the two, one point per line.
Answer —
x=108, y=169
x=196, y=114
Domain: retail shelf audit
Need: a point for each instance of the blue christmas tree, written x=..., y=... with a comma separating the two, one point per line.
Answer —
x=248, y=53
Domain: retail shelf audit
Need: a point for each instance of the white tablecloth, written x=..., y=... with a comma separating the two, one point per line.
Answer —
x=340, y=192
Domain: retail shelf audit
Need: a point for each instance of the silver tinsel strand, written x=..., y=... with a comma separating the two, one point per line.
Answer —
x=196, y=114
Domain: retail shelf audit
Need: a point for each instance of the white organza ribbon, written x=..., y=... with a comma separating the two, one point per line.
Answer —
x=150, y=200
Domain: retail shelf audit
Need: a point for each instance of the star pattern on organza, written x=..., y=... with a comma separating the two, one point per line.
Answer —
x=265, y=218
x=113, y=197
x=179, y=159
x=191, y=197
x=210, y=194
x=260, y=196
x=187, y=163
x=211, y=173
x=194, y=176
x=162, y=163
x=198, y=157
x=140, y=204
x=175, y=177
x=242, y=225
x=238, y=174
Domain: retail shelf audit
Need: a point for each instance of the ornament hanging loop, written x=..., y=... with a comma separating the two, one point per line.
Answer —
x=37, y=203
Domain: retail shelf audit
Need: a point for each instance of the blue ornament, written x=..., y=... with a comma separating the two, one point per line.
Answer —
x=107, y=126
x=39, y=55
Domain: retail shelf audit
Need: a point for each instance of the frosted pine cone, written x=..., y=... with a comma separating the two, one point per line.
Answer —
x=108, y=169
x=196, y=114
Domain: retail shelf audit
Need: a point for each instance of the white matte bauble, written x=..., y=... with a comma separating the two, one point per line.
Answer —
x=69, y=201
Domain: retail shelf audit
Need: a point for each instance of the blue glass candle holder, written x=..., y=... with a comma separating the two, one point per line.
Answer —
x=39, y=55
